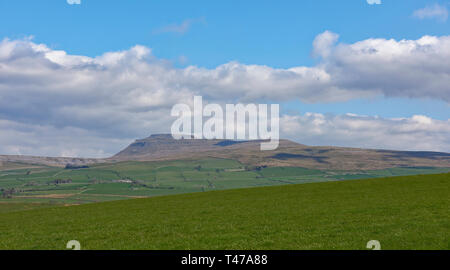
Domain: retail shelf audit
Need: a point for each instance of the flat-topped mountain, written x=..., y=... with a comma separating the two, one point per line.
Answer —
x=164, y=147
x=290, y=154
x=161, y=146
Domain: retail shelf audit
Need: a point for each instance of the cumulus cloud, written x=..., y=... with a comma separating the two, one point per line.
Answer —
x=372, y=2
x=74, y=2
x=435, y=11
x=324, y=43
x=415, y=133
x=70, y=103
x=46, y=140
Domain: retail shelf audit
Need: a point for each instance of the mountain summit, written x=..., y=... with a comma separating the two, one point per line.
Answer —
x=164, y=147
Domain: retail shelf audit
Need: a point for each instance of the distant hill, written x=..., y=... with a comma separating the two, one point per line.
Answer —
x=289, y=154
x=164, y=147
x=18, y=161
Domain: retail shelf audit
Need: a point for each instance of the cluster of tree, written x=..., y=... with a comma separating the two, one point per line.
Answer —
x=60, y=181
x=74, y=167
x=210, y=184
x=8, y=192
x=140, y=183
x=255, y=168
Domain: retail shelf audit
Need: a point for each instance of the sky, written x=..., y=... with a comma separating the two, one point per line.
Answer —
x=85, y=78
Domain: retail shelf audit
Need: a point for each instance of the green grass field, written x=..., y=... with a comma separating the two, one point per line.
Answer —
x=408, y=212
x=34, y=186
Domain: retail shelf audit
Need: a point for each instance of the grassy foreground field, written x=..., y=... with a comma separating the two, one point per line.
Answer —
x=408, y=212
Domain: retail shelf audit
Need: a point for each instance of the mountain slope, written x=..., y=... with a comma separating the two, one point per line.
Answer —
x=289, y=154
x=164, y=147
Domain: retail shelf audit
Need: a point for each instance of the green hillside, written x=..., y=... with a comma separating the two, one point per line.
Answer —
x=43, y=186
x=408, y=212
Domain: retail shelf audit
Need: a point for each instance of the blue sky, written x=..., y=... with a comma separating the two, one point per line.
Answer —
x=278, y=35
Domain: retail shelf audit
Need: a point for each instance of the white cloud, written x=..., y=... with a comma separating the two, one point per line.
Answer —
x=372, y=2
x=324, y=43
x=46, y=140
x=415, y=133
x=74, y=2
x=435, y=11
x=70, y=103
